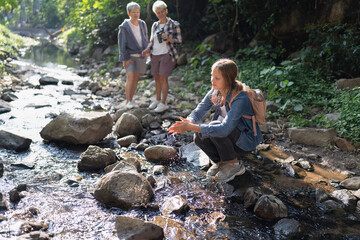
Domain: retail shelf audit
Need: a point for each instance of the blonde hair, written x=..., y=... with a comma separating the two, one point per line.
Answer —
x=229, y=72
x=159, y=4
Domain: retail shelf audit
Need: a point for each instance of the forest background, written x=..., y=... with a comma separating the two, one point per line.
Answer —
x=295, y=51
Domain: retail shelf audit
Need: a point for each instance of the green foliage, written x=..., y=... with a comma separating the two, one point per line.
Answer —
x=197, y=74
x=9, y=41
x=291, y=84
x=347, y=103
x=8, y=3
x=99, y=20
x=335, y=50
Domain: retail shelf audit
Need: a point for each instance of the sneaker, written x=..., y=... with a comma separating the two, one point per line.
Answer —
x=214, y=169
x=229, y=171
x=131, y=105
x=153, y=104
x=161, y=107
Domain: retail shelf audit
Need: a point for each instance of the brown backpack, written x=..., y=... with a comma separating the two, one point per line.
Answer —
x=258, y=104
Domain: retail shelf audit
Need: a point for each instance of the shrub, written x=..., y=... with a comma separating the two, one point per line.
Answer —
x=347, y=103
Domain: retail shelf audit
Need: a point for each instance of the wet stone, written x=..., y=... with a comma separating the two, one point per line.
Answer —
x=321, y=195
x=127, y=140
x=133, y=228
x=351, y=183
x=141, y=146
x=346, y=197
x=96, y=158
x=161, y=154
x=125, y=166
x=33, y=226
x=72, y=183
x=158, y=170
x=270, y=207
x=46, y=80
x=123, y=189
x=1, y=169
x=356, y=193
x=225, y=188
x=305, y=165
x=173, y=229
x=21, y=187
x=128, y=124
x=289, y=170
x=287, y=228
x=9, y=97
x=67, y=82
x=4, y=107
x=2, y=218
x=174, y=204
x=251, y=196
x=14, y=196
x=24, y=165
x=329, y=206
x=3, y=202
x=14, y=142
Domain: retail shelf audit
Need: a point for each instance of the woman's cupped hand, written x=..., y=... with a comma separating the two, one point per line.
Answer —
x=180, y=126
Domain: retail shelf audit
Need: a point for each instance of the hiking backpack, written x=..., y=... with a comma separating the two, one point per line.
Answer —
x=258, y=104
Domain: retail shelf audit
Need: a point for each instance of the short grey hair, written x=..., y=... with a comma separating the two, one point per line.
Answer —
x=159, y=4
x=132, y=5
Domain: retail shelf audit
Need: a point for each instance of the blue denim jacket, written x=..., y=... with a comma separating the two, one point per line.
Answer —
x=240, y=105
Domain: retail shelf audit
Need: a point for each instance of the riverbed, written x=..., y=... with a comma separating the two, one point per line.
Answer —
x=60, y=199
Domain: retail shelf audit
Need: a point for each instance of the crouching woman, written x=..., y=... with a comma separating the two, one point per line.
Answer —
x=229, y=135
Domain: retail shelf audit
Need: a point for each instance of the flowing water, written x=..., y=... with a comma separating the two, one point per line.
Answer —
x=60, y=198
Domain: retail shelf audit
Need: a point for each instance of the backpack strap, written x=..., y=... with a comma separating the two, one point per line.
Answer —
x=253, y=122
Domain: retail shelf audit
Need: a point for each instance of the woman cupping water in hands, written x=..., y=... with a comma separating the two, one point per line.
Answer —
x=229, y=134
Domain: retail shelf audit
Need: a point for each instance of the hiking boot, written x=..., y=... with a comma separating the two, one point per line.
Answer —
x=229, y=171
x=161, y=107
x=214, y=169
x=153, y=104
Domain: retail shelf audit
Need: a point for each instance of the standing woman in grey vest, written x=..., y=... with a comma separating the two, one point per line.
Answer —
x=132, y=40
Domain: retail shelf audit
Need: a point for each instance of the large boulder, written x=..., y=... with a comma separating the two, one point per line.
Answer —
x=312, y=136
x=96, y=158
x=14, y=142
x=137, y=229
x=81, y=128
x=128, y=124
x=348, y=83
x=123, y=189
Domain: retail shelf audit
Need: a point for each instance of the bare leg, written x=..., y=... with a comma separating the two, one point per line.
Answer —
x=158, y=87
x=134, y=84
x=164, y=88
x=129, y=85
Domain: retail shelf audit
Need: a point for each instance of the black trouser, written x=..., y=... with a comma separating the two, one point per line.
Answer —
x=220, y=149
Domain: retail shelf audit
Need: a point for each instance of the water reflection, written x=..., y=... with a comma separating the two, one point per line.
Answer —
x=46, y=54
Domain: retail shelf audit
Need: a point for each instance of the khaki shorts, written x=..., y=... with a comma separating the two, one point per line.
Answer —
x=138, y=65
x=162, y=65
